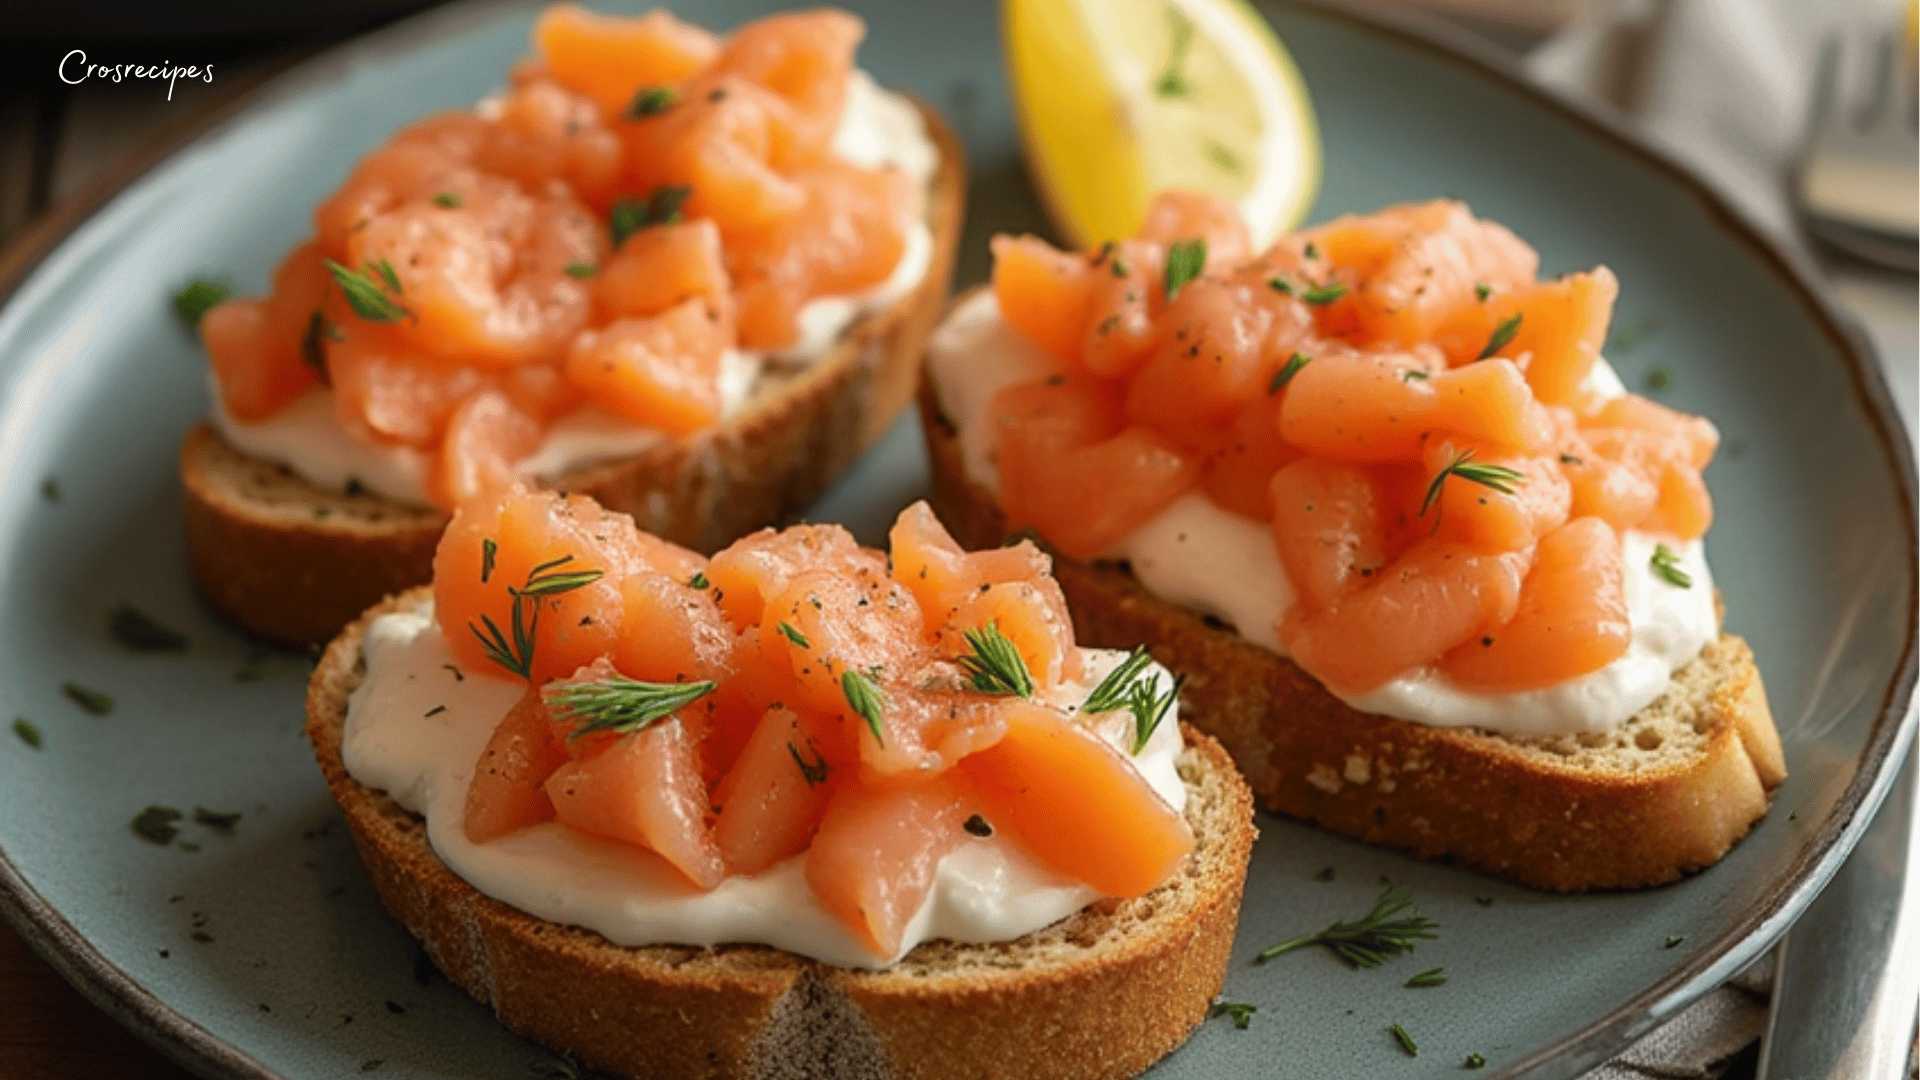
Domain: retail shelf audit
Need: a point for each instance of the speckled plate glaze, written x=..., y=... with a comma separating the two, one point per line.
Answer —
x=264, y=954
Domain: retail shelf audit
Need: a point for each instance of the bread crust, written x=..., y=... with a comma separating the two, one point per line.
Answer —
x=1547, y=813
x=1101, y=994
x=297, y=578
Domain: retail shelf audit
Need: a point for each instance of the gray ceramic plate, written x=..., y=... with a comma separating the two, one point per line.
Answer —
x=265, y=954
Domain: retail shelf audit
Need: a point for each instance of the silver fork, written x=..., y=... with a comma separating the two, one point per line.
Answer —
x=1858, y=186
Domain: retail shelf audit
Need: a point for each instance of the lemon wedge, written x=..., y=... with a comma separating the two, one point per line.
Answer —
x=1118, y=99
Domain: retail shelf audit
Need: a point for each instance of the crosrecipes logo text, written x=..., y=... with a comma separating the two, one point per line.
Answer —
x=74, y=70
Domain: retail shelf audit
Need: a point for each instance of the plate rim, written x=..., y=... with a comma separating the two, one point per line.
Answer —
x=1761, y=923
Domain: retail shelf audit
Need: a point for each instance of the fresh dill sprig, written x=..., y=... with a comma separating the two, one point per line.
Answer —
x=581, y=270
x=1280, y=285
x=1498, y=477
x=1185, y=261
x=865, y=697
x=698, y=580
x=1667, y=565
x=489, y=550
x=193, y=299
x=1324, y=294
x=448, y=200
x=621, y=705
x=364, y=291
x=1427, y=979
x=1474, y=1061
x=1407, y=1045
x=1482, y=291
x=1285, y=375
x=995, y=665
x=543, y=581
x=1239, y=1012
x=788, y=631
x=1502, y=335
x=1129, y=686
x=138, y=631
x=1370, y=940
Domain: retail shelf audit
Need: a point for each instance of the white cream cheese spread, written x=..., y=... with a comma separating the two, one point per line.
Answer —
x=399, y=739
x=1205, y=558
x=878, y=129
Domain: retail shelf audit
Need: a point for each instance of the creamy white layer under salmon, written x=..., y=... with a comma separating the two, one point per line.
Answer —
x=797, y=697
x=1445, y=468
x=644, y=202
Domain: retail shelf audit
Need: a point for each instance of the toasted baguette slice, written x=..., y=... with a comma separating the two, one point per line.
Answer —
x=1103, y=993
x=1668, y=792
x=292, y=563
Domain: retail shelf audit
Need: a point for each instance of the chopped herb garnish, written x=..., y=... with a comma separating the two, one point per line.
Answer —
x=200, y=294
x=621, y=705
x=1405, y=1040
x=543, y=581
x=447, y=200
x=787, y=631
x=1674, y=940
x=50, y=490
x=1667, y=565
x=156, y=825
x=1430, y=978
x=219, y=821
x=1172, y=82
x=436, y=710
x=1498, y=477
x=385, y=270
x=1370, y=940
x=1481, y=292
x=1223, y=157
x=1474, y=1061
x=1411, y=374
x=92, y=701
x=1185, y=261
x=865, y=697
x=995, y=665
x=1285, y=375
x=27, y=732
x=815, y=771
x=1310, y=251
x=1325, y=874
x=1239, y=1012
x=1502, y=335
x=698, y=580
x=1572, y=459
x=978, y=826
x=1129, y=686
x=1117, y=267
x=1324, y=294
x=581, y=270
x=1658, y=380
x=652, y=101
x=488, y=551
x=1630, y=336
x=1280, y=285
x=136, y=630
x=365, y=295
x=630, y=214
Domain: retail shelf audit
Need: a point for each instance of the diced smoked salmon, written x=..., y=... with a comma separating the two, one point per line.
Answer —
x=1045, y=293
x=772, y=799
x=805, y=57
x=487, y=434
x=610, y=59
x=1571, y=621
x=874, y=857
x=658, y=268
x=1074, y=803
x=1220, y=346
x=1328, y=528
x=758, y=567
x=508, y=791
x=660, y=370
x=644, y=789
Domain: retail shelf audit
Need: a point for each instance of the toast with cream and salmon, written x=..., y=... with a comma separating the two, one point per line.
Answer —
x=1431, y=575
x=688, y=275
x=803, y=809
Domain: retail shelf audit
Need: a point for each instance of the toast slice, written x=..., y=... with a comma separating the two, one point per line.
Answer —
x=1103, y=993
x=292, y=563
x=1668, y=792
